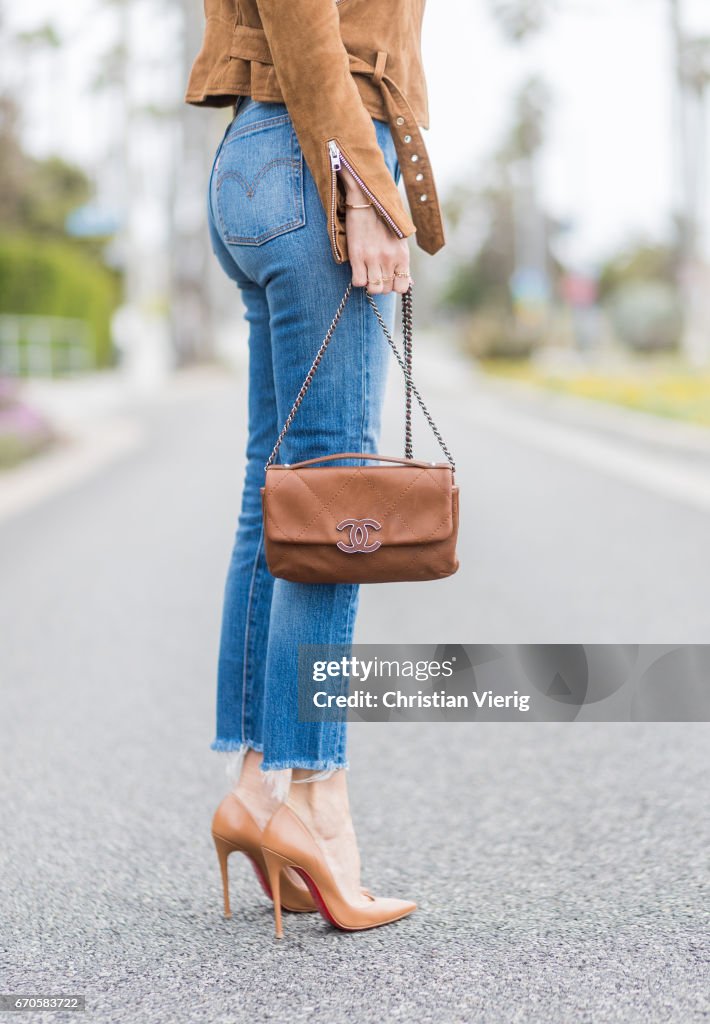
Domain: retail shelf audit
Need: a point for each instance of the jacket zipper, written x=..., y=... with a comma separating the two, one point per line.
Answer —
x=337, y=160
x=334, y=166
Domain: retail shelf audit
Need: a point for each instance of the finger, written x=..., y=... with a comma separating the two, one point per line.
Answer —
x=374, y=277
x=401, y=283
x=359, y=270
x=387, y=278
x=401, y=279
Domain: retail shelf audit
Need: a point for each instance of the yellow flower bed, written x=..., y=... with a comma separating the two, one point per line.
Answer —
x=660, y=388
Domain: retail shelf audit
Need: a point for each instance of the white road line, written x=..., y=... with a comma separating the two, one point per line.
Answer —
x=660, y=475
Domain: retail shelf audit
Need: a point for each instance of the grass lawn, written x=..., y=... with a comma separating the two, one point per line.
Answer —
x=661, y=386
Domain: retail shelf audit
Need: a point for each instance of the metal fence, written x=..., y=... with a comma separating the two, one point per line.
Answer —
x=44, y=346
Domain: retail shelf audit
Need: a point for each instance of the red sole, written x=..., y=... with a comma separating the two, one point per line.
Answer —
x=319, y=901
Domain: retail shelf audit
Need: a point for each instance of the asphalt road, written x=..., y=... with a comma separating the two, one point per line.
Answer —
x=560, y=870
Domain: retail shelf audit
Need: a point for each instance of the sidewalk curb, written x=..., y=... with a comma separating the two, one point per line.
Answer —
x=96, y=425
x=75, y=457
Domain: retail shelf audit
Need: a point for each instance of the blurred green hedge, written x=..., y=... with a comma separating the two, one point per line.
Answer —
x=53, y=277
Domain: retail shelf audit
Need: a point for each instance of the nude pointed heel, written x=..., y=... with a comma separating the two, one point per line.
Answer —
x=287, y=842
x=235, y=831
x=224, y=848
x=275, y=865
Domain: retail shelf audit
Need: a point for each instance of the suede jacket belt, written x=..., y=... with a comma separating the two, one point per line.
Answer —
x=250, y=44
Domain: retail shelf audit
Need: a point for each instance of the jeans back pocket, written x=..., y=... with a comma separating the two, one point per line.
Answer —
x=259, y=186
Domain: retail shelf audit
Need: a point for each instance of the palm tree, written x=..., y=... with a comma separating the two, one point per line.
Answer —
x=520, y=19
x=191, y=269
x=176, y=278
x=691, y=80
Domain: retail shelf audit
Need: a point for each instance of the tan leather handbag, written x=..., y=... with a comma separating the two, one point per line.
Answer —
x=391, y=519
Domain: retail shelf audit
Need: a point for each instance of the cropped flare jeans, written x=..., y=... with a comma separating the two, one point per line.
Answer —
x=269, y=232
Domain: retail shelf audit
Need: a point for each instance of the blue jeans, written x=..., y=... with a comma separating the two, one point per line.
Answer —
x=269, y=232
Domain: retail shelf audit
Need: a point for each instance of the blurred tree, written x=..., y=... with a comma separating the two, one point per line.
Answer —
x=520, y=19
x=57, y=188
x=482, y=271
x=504, y=220
x=643, y=262
x=12, y=162
x=58, y=278
x=43, y=37
x=172, y=274
x=527, y=132
x=191, y=258
x=529, y=279
x=52, y=189
x=35, y=195
x=499, y=229
x=43, y=272
x=638, y=290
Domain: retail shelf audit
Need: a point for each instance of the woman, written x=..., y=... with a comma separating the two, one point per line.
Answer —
x=329, y=97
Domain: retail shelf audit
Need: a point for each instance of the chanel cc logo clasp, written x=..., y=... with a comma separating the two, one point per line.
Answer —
x=359, y=536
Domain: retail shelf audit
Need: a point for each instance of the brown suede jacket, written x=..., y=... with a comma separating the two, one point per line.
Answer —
x=335, y=64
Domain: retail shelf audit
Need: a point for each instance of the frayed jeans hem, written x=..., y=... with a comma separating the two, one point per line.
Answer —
x=235, y=746
x=303, y=764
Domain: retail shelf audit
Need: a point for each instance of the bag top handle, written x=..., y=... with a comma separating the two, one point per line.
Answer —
x=404, y=363
x=404, y=461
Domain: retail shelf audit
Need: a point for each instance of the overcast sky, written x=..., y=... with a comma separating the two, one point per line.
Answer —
x=608, y=165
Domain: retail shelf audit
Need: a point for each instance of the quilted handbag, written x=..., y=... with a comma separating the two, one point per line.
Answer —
x=385, y=519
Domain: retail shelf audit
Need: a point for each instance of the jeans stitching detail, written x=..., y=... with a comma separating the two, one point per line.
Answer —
x=249, y=189
x=349, y=630
x=294, y=163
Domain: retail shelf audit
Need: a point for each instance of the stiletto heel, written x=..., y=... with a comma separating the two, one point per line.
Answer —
x=275, y=865
x=235, y=831
x=287, y=842
x=224, y=848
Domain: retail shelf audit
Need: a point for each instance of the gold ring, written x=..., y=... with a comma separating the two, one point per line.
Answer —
x=398, y=273
x=378, y=281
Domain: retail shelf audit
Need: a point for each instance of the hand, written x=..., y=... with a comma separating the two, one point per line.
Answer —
x=374, y=250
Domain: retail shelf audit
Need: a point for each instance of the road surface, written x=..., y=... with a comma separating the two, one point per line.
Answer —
x=559, y=869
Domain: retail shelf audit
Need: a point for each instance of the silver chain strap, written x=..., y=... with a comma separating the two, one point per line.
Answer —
x=410, y=384
x=407, y=347
x=309, y=377
x=403, y=363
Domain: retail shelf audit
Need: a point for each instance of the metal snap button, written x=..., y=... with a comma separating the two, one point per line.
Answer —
x=423, y=198
x=414, y=157
x=400, y=120
x=419, y=177
x=407, y=138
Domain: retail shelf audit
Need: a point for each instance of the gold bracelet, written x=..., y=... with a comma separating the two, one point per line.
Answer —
x=358, y=206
